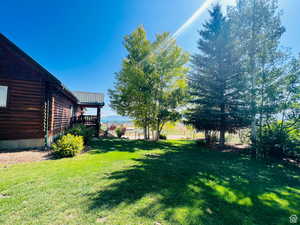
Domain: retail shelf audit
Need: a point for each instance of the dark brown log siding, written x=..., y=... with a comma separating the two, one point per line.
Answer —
x=29, y=86
x=60, y=113
x=23, y=116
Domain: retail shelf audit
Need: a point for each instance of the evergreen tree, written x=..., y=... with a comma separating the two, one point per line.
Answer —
x=216, y=82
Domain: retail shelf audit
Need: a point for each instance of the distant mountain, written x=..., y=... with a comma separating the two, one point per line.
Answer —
x=115, y=119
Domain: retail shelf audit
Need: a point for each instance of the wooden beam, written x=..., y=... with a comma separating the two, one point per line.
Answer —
x=98, y=121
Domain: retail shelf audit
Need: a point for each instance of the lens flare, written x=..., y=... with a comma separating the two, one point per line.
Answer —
x=166, y=44
x=193, y=18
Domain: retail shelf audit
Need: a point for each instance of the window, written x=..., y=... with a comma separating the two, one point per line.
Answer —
x=3, y=96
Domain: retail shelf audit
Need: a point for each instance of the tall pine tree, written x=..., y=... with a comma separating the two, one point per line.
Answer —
x=216, y=82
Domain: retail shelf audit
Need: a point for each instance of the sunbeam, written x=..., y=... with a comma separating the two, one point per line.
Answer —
x=187, y=24
x=193, y=18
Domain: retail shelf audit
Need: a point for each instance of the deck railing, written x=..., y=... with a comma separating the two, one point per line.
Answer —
x=87, y=120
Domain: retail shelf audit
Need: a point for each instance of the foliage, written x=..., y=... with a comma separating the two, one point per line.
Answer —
x=211, y=137
x=68, y=146
x=151, y=84
x=217, y=83
x=162, y=137
x=281, y=107
x=112, y=127
x=244, y=136
x=120, y=131
x=242, y=76
x=132, y=93
x=80, y=130
x=280, y=140
x=202, y=142
x=268, y=67
x=106, y=132
x=170, y=87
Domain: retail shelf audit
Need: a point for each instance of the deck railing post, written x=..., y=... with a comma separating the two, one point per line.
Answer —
x=98, y=121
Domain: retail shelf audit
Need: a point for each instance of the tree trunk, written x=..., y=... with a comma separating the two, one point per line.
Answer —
x=222, y=125
x=157, y=131
x=253, y=139
x=207, y=137
x=252, y=72
x=145, y=132
x=222, y=138
x=148, y=132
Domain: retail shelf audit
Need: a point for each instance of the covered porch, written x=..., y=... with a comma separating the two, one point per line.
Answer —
x=88, y=100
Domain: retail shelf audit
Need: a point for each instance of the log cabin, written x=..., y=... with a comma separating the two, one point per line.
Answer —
x=35, y=107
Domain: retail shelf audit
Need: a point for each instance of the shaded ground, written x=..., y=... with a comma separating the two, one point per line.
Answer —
x=205, y=187
x=124, y=182
x=13, y=157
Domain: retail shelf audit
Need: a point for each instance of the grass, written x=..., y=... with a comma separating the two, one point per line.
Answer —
x=136, y=182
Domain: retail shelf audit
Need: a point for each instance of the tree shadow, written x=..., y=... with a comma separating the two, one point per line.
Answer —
x=192, y=186
x=125, y=145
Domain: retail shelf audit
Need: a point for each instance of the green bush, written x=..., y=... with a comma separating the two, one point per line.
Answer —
x=277, y=140
x=162, y=137
x=68, y=146
x=120, y=131
x=80, y=130
x=201, y=142
x=244, y=136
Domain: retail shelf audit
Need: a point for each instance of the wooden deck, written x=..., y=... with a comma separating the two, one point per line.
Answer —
x=87, y=120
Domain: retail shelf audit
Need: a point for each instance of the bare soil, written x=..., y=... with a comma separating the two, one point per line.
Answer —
x=13, y=157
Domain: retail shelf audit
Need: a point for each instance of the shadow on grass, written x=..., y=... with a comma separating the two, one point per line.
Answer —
x=186, y=185
x=125, y=145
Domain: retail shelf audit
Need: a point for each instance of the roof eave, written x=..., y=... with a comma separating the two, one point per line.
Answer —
x=90, y=104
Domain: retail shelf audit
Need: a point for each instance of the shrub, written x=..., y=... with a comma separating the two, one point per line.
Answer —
x=244, y=136
x=201, y=142
x=120, y=131
x=112, y=127
x=278, y=141
x=68, y=146
x=162, y=137
x=80, y=130
x=106, y=133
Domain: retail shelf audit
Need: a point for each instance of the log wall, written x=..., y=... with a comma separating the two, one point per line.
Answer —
x=29, y=87
x=60, y=113
x=23, y=116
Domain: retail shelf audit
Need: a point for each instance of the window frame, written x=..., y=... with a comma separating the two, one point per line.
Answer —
x=7, y=96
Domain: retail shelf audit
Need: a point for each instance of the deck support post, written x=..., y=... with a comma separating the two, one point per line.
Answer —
x=98, y=121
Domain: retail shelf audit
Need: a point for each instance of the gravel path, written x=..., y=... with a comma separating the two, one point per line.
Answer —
x=23, y=156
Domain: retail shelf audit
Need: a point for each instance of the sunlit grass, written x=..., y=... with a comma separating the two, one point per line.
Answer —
x=137, y=182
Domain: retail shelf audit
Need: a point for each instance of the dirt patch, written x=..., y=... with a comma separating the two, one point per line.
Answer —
x=4, y=196
x=101, y=220
x=23, y=156
x=232, y=147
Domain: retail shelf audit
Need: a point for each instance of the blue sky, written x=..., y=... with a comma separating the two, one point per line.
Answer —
x=80, y=41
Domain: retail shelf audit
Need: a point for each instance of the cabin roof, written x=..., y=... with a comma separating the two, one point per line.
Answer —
x=82, y=98
x=89, y=98
x=43, y=72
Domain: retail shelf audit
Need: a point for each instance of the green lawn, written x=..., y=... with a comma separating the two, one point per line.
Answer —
x=136, y=182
